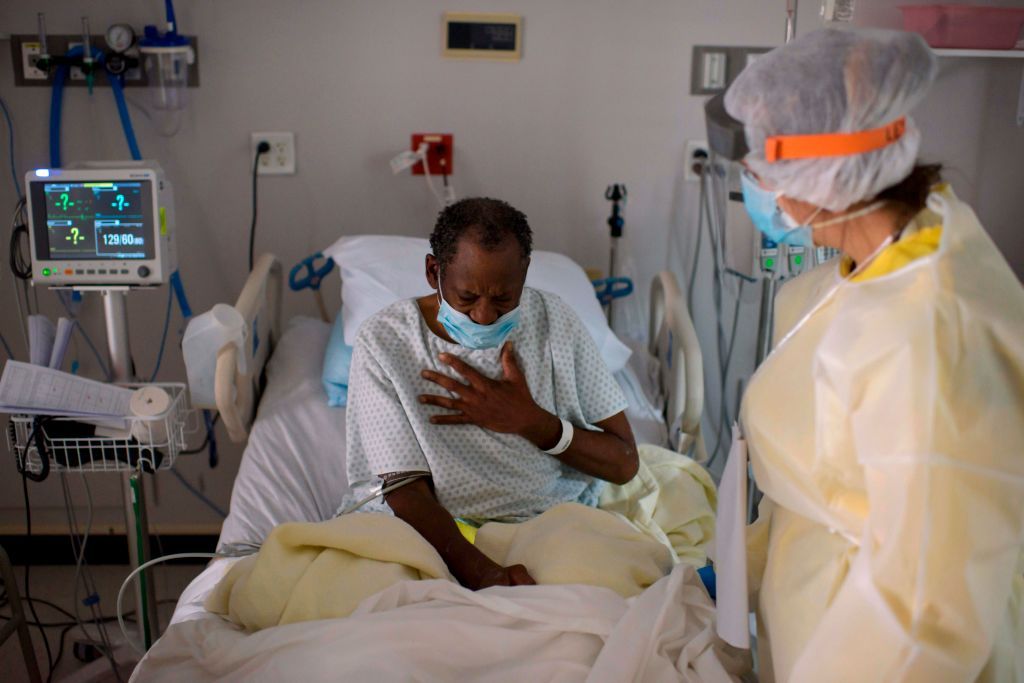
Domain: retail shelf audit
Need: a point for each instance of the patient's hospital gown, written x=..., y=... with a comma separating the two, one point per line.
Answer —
x=478, y=474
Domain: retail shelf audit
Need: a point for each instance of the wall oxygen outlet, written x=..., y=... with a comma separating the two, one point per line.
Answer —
x=280, y=160
x=75, y=73
x=439, y=152
x=29, y=55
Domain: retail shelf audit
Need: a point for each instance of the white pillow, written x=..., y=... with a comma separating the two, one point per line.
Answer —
x=377, y=270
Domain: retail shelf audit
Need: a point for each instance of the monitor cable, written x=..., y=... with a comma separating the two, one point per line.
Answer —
x=7, y=347
x=28, y=567
x=10, y=148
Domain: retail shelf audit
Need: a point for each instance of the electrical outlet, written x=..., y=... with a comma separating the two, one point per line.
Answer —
x=695, y=150
x=439, y=152
x=29, y=56
x=280, y=160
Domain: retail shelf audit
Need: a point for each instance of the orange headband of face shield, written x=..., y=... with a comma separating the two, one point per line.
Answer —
x=781, y=147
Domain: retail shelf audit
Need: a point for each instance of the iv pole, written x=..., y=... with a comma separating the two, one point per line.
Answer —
x=615, y=194
x=769, y=285
x=791, y=6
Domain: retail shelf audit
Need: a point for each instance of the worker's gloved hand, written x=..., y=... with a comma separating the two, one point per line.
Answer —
x=516, y=575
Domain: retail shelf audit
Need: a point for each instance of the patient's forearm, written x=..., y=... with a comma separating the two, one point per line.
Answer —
x=609, y=454
x=416, y=505
x=602, y=455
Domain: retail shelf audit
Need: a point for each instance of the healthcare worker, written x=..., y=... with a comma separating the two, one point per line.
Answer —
x=886, y=428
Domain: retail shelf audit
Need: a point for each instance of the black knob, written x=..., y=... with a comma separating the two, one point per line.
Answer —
x=116, y=63
x=143, y=271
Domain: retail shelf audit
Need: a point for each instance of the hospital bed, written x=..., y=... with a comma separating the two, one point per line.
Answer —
x=664, y=382
x=293, y=468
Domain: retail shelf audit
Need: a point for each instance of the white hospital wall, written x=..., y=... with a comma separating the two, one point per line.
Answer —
x=968, y=122
x=599, y=97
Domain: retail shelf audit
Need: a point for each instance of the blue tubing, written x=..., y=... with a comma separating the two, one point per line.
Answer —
x=179, y=292
x=172, y=23
x=126, y=121
x=57, y=103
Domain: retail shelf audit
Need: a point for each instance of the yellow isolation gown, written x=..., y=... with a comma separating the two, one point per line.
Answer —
x=887, y=434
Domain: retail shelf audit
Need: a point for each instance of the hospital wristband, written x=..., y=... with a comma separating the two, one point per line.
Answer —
x=563, y=441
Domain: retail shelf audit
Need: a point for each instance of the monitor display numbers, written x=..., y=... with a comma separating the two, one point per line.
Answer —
x=119, y=240
x=97, y=220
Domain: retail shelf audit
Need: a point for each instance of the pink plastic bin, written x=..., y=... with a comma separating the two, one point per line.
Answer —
x=965, y=26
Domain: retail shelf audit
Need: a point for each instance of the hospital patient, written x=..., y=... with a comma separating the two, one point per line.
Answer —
x=490, y=395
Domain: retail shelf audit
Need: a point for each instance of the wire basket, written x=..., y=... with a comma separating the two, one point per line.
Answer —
x=70, y=443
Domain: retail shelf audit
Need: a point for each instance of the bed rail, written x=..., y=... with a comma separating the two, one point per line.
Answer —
x=237, y=394
x=673, y=341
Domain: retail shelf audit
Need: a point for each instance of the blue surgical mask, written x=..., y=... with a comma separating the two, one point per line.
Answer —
x=763, y=208
x=473, y=335
x=779, y=226
x=797, y=234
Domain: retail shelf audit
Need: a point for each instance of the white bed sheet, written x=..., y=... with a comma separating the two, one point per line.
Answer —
x=293, y=468
x=568, y=633
x=439, y=631
x=294, y=464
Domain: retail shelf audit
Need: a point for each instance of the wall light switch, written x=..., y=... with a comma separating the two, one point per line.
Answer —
x=714, y=70
x=714, y=67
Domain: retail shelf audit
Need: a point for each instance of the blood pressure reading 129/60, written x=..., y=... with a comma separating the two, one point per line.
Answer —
x=122, y=240
x=97, y=220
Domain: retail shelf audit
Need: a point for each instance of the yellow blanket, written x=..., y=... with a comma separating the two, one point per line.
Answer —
x=323, y=570
x=672, y=499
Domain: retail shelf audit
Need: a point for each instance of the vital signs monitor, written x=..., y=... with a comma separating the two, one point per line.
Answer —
x=101, y=224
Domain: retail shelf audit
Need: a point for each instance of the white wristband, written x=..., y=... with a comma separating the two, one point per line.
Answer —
x=563, y=441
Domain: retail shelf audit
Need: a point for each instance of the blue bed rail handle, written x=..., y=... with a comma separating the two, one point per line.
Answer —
x=306, y=275
x=611, y=288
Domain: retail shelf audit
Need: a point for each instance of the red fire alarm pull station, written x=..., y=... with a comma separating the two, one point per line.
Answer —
x=439, y=153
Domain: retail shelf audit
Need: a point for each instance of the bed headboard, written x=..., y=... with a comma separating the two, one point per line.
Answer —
x=672, y=339
x=237, y=394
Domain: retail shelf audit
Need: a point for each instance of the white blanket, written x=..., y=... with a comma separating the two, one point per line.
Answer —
x=439, y=631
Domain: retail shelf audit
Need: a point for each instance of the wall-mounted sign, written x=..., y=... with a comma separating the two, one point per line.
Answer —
x=483, y=36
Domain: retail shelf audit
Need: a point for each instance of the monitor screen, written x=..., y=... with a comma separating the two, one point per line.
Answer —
x=81, y=221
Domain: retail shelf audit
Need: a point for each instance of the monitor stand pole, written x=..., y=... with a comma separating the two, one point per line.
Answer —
x=115, y=310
